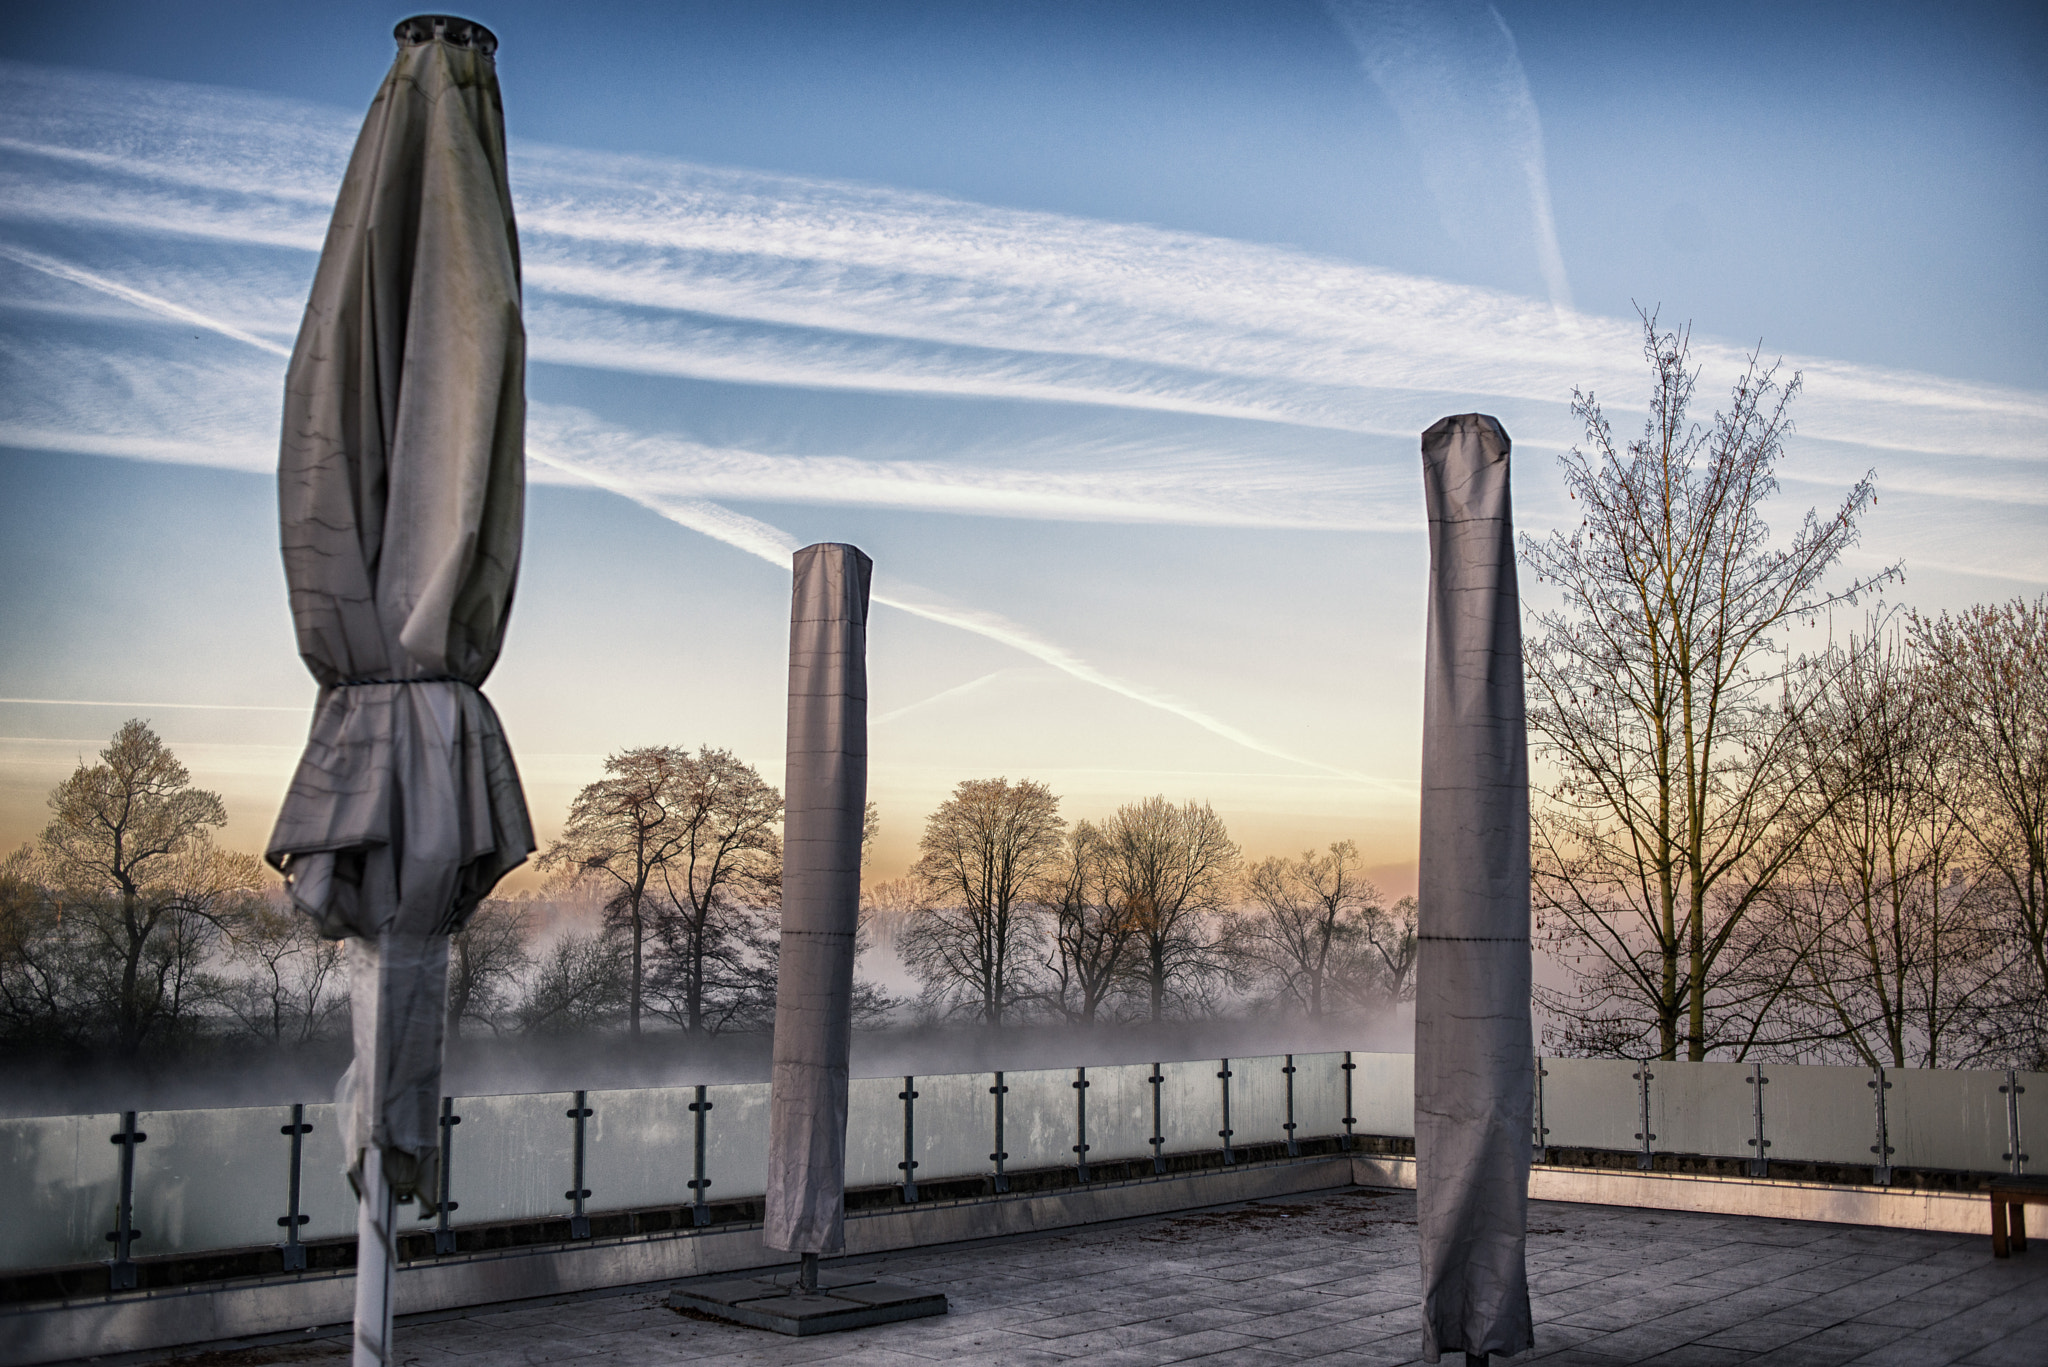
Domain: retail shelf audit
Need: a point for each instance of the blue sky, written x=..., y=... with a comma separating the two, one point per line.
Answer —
x=1107, y=330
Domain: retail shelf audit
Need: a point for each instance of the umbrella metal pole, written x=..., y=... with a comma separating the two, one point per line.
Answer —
x=376, y=1214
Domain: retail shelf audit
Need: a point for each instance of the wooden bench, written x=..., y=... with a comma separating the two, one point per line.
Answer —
x=2010, y=1197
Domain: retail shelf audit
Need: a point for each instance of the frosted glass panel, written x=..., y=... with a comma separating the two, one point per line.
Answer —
x=639, y=1148
x=1700, y=1108
x=1818, y=1115
x=325, y=1197
x=1119, y=1112
x=1383, y=1094
x=736, y=1141
x=63, y=1179
x=1038, y=1122
x=1593, y=1103
x=1942, y=1119
x=211, y=1179
x=2033, y=1123
x=874, y=1132
x=956, y=1121
x=1191, y=1105
x=513, y=1157
x=1318, y=1095
x=1258, y=1100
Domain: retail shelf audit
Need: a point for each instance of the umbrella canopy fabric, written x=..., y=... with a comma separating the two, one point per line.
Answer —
x=1473, y=1050
x=825, y=787
x=401, y=493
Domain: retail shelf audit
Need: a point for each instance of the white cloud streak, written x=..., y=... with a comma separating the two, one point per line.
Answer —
x=1451, y=71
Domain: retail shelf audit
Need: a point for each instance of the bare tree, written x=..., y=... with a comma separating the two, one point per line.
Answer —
x=291, y=988
x=1308, y=927
x=129, y=839
x=621, y=830
x=1094, y=935
x=982, y=856
x=1389, y=970
x=1991, y=668
x=43, y=959
x=576, y=986
x=1171, y=869
x=485, y=961
x=1659, y=699
x=1872, y=939
x=720, y=883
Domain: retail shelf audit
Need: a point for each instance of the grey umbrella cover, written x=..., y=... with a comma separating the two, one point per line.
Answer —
x=826, y=784
x=401, y=490
x=1472, y=1032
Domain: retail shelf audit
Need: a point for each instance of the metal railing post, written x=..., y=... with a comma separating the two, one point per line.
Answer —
x=1293, y=1145
x=1000, y=1156
x=1642, y=1075
x=444, y=1237
x=1350, y=1117
x=700, y=1211
x=1539, y=1147
x=1760, y=1161
x=1229, y=1154
x=294, y=1251
x=908, y=1096
x=121, y=1271
x=1158, y=1131
x=1081, y=1124
x=579, y=1223
x=1881, y=1169
x=2013, y=1138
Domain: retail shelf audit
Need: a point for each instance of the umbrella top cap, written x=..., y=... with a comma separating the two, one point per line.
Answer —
x=448, y=28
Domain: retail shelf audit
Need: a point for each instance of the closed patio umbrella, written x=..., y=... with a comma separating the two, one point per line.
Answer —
x=1473, y=1091
x=401, y=492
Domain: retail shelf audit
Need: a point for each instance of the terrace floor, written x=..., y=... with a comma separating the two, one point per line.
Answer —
x=1331, y=1278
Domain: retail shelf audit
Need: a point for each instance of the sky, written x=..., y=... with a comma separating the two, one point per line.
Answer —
x=1107, y=329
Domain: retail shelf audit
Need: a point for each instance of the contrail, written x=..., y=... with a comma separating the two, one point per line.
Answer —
x=955, y=691
x=78, y=276
x=185, y=706
x=775, y=546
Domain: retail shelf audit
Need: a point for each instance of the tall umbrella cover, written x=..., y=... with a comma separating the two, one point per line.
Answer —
x=401, y=494
x=825, y=784
x=1472, y=1033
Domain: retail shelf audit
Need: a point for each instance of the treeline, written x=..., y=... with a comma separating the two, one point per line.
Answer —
x=1836, y=853
x=127, y=929
x=1008, y=915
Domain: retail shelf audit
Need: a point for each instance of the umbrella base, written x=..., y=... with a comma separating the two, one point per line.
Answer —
x=842, y=1301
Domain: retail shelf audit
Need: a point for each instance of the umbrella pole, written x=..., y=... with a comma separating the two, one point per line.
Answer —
x=376, y=1213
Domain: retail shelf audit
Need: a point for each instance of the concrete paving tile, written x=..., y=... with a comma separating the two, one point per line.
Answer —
x=1698, y=1355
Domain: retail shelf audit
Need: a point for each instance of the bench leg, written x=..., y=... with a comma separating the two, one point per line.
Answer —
x=1998, y=1249
x=2019, y=1227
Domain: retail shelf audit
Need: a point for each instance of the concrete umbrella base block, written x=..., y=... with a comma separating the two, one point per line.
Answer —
x=842, y=1301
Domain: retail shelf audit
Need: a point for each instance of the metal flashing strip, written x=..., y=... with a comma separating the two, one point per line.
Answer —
x=1941, y=1212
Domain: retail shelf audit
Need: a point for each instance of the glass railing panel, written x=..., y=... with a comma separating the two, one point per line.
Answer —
x=1038, y=1118
x=874, y=1132
x=1383, y=1094
x=1695, y=1108
x=956, y=1121
x=1318, y=1095
x=1191, y=1105
x=325, y=1197
x=639, y=1147
x=1593, y=1103
x=1944, y=1119
x=513, y=1158
x=1119, y=1112
x=62, y=1176
x=211, y=1179
x=1817, y=1114
x=1258, y=1100
x=2033, y=1108
x=736, y=1141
